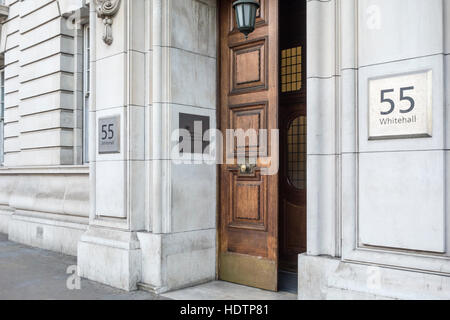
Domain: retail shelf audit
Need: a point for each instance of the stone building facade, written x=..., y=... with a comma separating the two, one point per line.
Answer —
x=372, y=215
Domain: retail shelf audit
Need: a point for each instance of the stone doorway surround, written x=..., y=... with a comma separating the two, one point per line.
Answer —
x=152, y=222
x=377, y=209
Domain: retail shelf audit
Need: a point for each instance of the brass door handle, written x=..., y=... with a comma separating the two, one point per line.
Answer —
x=247, y=168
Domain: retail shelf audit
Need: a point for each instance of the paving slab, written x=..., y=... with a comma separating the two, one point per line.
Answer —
x=28, y=273
x=220, y=290
x=34, y=274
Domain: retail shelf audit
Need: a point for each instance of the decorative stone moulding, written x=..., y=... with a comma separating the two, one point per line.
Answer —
x=106, y=10
x=4, y=12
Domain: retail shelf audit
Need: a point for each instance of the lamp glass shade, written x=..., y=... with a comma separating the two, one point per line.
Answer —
x=246, y=15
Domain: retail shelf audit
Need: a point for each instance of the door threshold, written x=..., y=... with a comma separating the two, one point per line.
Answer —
x=221, y=290
x=288, y=281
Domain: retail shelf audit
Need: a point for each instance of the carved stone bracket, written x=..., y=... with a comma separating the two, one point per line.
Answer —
x=106, y=10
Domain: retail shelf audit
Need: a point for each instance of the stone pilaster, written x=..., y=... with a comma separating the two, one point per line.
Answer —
x=110, y=252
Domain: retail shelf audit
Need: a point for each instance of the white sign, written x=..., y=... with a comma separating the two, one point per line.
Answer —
x=401, y=106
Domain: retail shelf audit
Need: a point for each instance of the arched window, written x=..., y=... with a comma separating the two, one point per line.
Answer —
x=296, y=153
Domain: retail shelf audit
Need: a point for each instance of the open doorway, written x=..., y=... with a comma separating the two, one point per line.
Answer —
x=292, y=125
x=262, y=218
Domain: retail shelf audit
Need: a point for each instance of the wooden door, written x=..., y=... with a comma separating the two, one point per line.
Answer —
x=292, y=185
x=248, y=252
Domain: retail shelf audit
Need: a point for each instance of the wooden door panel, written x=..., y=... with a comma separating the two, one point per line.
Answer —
x=251, y=116
x=251, y=191
x=294, y=240
x=248, y=100
x=248, y=66
x=248, y=243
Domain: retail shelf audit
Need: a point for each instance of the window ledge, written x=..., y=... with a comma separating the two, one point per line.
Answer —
x=71, y=170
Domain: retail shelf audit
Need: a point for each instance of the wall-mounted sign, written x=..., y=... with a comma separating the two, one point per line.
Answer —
x=197, y=126
x=401, y=106
x=109, y=135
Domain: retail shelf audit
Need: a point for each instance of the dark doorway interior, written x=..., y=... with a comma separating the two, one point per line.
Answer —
x=292, y=124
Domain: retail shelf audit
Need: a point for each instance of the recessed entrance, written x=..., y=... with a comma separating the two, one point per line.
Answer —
x=262, y=217
x=292, y=125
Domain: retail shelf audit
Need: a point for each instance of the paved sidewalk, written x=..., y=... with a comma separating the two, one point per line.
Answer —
x=32, y=274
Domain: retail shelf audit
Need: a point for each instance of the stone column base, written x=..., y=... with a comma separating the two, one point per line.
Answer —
x=111, y=257
x=177, y=260
x=324, y=278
